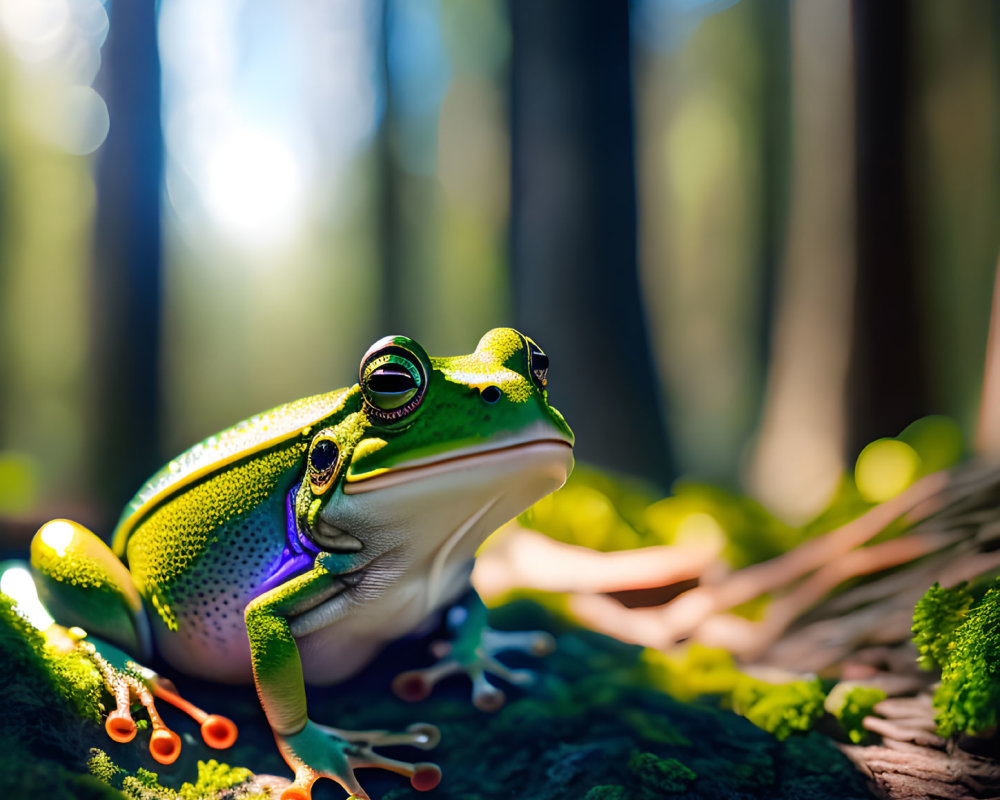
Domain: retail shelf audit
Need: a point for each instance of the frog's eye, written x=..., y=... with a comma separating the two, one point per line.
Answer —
x=538, y=363
x=393, y=380
x=324, y=458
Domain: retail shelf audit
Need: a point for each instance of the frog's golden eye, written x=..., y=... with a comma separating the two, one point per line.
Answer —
x=393, y=379
x=538, y=363
x=324, y=458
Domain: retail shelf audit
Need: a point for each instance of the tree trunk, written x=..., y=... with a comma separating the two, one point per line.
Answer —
x=573, y=229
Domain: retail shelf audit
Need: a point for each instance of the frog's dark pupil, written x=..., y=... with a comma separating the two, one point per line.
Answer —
x=324, y=455
x=391, y=379
x=490, y=394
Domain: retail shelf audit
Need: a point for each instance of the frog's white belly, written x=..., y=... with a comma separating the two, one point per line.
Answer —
x=336, y=652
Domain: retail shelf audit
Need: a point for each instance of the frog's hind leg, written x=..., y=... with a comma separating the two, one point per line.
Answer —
x=473, y=651
x=88, y=590
x=124, y=682
x=83, y=584
x=127, y=682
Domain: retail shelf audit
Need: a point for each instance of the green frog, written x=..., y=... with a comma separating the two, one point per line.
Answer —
x=294, y=546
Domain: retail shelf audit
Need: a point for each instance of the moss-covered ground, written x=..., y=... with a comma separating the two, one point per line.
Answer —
x=591, y=729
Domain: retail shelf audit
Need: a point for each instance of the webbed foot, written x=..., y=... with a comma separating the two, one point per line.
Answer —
x=126, y=680
x=474, y=652
x=318, y=751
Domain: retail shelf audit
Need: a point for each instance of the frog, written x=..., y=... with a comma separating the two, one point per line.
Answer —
x=295, y=546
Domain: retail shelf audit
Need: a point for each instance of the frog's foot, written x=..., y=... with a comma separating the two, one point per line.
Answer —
x=318, y=751
x=126, y=680
x=123, y=685
x=218, y=732
x=476, y=662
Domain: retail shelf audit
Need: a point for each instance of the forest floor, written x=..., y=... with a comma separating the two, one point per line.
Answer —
x=588, y=729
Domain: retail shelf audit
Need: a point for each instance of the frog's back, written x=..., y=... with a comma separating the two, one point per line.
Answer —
x=219, y=452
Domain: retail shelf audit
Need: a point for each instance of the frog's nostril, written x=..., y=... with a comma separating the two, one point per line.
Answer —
x=490, y=394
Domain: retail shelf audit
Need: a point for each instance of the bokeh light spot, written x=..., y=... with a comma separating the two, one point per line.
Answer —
x=35, y=28
x=937, y=440
x=884, y=468
x=254, y=188
x=16, y=582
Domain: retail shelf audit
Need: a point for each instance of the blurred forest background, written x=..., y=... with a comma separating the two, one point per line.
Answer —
x=751, y=236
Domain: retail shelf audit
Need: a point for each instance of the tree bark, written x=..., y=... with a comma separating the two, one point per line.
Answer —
x=127, y=284
x=573, y=229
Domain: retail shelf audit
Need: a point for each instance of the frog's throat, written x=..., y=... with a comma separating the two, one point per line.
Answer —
x=408, y=473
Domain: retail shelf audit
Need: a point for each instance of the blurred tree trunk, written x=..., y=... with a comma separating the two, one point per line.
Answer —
x=394, y=316
x=888, y=378
x=573, y=229
x=798, y=460
x=955, y=128
x=126, y=293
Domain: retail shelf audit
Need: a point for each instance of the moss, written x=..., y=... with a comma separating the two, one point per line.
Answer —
x=692, y=672
x=936, y=616
x=102, y=767
x=780, y=709
x=850, y=704
x=698, y=671
x=213, y=779
x=660, y=775
x=79, y=682
x=969, y=695
x=608, y=792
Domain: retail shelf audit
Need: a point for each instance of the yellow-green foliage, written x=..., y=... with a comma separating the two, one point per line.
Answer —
x=694, y=671
x=213, y=778
x=594, y=510
x=102, y=767
x=969, y=695
x=936, y=616
x=607, y=513
x=213, y=781
x=850, y=704
x=604, y=512
x=698, y=671
x=72, y=675
x=780, y=709
x=79, y=682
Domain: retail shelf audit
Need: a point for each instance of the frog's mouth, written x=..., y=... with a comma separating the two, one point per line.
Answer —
x=459, y=460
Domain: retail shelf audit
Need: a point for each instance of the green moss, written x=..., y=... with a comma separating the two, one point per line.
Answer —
x=936, y=616
x=969, y=695
x=780, y=709
x=608, y=792
x=102, y=767
x=692, y=672
x=79, y=682
x=213, y=779
x=660, y=775
x=850, y=704
x=699, y=671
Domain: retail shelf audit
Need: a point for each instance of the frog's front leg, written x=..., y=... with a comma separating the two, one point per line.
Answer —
x=473, y=650
x=312, y=750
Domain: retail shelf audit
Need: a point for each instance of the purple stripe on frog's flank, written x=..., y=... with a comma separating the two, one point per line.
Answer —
x=298, y=553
